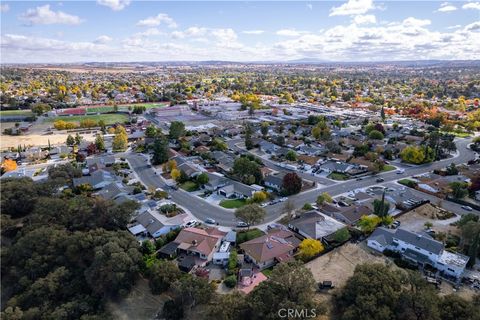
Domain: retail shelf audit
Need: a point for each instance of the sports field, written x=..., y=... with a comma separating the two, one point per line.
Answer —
x=110, y=118
x=26, y=113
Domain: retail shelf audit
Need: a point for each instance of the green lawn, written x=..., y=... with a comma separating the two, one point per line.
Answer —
x=408, y=183
x=338, y=176
x=233, y=203
x=458, y=134
x=108, y=118
x=244, y=236
x=267, y=272
x=388, y=168
x=26, y=113
x=189, y=186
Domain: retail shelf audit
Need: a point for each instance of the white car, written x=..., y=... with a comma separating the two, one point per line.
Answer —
x=467, y=208
x=191, y=223
x=400, y=171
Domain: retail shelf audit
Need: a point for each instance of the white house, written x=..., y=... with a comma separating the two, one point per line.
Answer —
x=419, y=249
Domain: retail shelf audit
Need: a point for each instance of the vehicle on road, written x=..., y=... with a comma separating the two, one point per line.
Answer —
x=283, y=199
x=191, y=223
x=359, y=179
x=263, y=205
x=242, y=224
x=210, y=221
x=380, y=180
x=467, y=208
x=400, y=171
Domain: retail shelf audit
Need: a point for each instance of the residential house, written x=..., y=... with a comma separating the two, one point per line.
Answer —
x=152, y=223
x=97, y=180
x=268, y=147
x=419, y=249
x=315, y=225
x=349, y=215
x=274, y=247
x=215, y=181
x=195, y=245
x=275, y=181
x=235, y=189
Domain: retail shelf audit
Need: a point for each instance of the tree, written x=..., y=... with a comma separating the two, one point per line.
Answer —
x=70, y=141
x=324, y=197
x=259, y=196
x=418, y=300
x=191, y=291
x=99, y=142
x=452, y=170
x=18, y=196
x=202, y=178
x=40, y=108
x=380, y=207
x=368, y=223
x=78, y=139
x=250, y=213
x=291, y=285
x=413, y=154
x=264, y=128
x=341, y=235
x=309, y=248
x=321, y=131
x=248, y=137
x=175, y=174
x=292, y=183
x=454, y=307
x=9, y=165
x=248, y=171
x=177, y=130
x=372, y=293
x=162, y=274
x=151, y=131
x=382, y=113
x=291, y=155
x=160, y=151
x=230, y=281
x=459, y=189
x=120, y=140
x=376, y=135
x=232, y=306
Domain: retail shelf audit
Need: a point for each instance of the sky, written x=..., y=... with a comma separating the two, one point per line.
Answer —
x=127, y=30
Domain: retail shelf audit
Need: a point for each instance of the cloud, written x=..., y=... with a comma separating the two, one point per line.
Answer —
x=103, y=39
x=43, y=15
x=473, y=26
x=454, y=27
x=161, y=18
x=288, y=32
x=446, y=7
x=115, y=5
x=253, y=31
x=352, y=7
x=365, y=19
x=310, y=6
x=472, y=5
x=414, y=22
x=4, y=7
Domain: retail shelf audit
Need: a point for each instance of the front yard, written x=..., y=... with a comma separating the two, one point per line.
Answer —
x=233, y=203
x=338, y=176
x=244, y=236
x=388, y=168
x=189, y=186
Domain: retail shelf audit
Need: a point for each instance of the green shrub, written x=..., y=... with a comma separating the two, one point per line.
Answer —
x=231, y=281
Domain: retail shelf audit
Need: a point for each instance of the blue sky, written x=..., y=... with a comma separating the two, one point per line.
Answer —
x=123, y=30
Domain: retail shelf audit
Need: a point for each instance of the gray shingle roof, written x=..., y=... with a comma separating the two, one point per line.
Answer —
x=420, y=241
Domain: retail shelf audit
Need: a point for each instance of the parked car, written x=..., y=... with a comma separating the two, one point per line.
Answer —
x=210, y=221
x=191, y=223
x=467, y=208
x=359, y=179
x=241, y=224
x=380, y=180
x=283, y=199
x=396, y=224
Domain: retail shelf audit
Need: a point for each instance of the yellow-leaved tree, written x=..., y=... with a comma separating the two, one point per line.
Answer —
x=309, y=248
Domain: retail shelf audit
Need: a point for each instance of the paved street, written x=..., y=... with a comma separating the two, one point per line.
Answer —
x=203, y=210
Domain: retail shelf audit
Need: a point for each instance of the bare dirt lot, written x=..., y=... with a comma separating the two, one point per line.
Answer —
x=140, y=304
x=416, y=218
x=339, y=264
